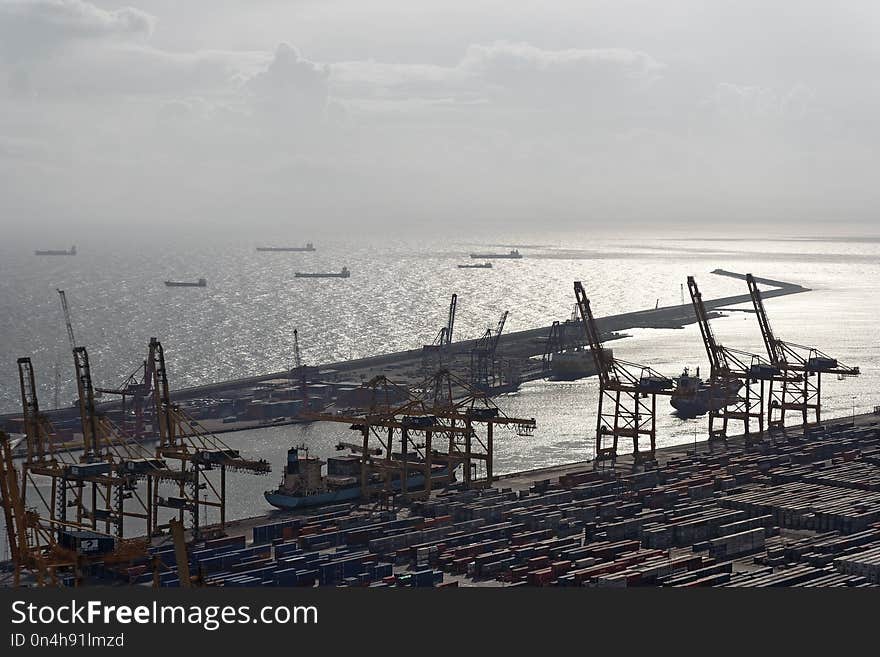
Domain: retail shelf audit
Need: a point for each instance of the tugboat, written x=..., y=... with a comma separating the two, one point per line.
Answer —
x=344, y=273
x=512, y=255
x=57, y=252
x=303, y=484
x=485, y=265
x=308, y=247
x=201, y=283
x=693, y=396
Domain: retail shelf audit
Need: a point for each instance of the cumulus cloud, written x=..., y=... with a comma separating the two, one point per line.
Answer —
x=30, y=27
x=291, y=85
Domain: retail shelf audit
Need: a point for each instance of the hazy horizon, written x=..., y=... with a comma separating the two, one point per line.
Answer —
x=308, y=118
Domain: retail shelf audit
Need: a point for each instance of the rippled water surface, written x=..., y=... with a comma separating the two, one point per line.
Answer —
x=396, y=298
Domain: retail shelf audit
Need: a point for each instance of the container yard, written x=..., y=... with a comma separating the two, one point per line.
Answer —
x=791, y=509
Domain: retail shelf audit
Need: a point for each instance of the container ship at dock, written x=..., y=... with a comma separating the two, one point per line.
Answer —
x=305, y=486
x=694, y=397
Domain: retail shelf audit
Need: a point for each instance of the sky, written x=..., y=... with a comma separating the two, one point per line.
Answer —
x=287, y=116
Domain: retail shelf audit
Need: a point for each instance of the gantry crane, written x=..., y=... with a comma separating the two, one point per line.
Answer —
x=34, y=542
x=110, y=473
x=554, y=344
x=30, y=541
x=737, y=378
x=138, y=387
x=109, y=466
x=444, y=412
x=198, y=452
x=453, y=400
x=434, y=354
x=66, y=310
x=483, y=363
x=798, y=386
x=630, y=389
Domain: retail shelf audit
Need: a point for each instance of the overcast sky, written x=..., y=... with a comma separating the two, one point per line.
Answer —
x=377, y=113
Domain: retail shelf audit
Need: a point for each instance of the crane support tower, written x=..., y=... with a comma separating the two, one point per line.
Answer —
x=798, y=386
x=737, y=378
x=203, y=458
x=436, y=354
x=437, y=427
x=483, y=366
x=627, y=394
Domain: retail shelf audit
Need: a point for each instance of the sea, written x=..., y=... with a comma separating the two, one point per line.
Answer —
x=397, y=297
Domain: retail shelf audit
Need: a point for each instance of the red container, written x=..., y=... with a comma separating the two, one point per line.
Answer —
x=540, y=577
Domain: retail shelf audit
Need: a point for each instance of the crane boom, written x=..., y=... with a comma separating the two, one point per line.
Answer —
x=86, y=397
x=450, y=323
x=31, y=411
x=717, y=358
x=161, y=395
x=593, y=336
x=67, y=321
x=297, y=358
x=770, y=342
x=498, y=332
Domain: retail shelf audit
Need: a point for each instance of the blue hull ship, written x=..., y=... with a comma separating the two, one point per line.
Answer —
x=285, y=501
x=304, y=485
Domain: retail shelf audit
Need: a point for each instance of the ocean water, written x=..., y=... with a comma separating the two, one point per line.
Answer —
x=397, y=297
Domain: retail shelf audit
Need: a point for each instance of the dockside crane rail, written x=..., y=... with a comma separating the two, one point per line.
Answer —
x=629, y=388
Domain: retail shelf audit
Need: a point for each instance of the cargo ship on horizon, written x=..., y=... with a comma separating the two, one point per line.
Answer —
x=308, y=247
x=200, y=283
x=343, y=273
x=56, y=252
x=485, y=265
x=514, y=254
